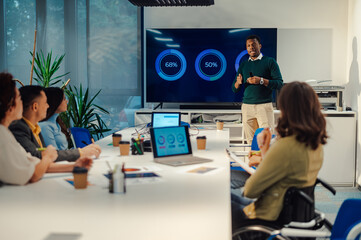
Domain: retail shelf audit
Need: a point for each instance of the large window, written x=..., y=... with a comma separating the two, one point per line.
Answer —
x=100, y=42
x=19, y=28
x=112, y=57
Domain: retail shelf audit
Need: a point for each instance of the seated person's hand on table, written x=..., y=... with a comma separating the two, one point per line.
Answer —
x=263, y=140
x=91, y=150
x=49, y=153
x=85, y=162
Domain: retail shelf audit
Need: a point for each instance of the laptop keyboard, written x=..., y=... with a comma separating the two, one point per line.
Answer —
x=184, y=161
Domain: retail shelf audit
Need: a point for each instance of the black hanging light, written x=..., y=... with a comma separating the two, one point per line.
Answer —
x=171, y=3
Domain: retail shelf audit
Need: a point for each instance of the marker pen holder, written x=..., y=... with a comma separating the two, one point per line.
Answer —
x=137, y=147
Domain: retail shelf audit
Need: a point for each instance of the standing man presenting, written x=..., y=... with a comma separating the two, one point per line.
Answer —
x=260, y=75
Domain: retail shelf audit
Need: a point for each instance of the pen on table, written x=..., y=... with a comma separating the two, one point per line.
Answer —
x=137, y=133
x=110, y=168
x=85, y=143
x=123, y=171
x=40, y=149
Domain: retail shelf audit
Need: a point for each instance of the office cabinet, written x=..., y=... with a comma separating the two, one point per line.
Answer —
x=339, y=167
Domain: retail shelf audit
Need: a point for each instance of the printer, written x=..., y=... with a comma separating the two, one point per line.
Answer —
x=330, y=96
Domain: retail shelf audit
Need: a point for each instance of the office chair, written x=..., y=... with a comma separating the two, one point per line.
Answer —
x=254, y=144
x=254, y=147
x=80, y=136
x=348, y=220
x=240, y=175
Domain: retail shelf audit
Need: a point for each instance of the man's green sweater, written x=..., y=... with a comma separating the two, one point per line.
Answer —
x=267, y=68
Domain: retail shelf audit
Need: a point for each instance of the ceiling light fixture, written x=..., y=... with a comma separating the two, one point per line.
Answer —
x=171, y=3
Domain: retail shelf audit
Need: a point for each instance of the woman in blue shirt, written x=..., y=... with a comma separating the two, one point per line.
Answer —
x=50, y=127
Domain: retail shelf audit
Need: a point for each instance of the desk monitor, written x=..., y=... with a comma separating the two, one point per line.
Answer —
x=166, y=119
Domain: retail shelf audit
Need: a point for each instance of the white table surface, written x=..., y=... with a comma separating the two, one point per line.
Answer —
x=179, y=205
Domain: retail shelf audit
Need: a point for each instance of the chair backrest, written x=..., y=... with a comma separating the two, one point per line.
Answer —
x=254, y=145
x=348, y=216
x=298, y=205
x=81, y=137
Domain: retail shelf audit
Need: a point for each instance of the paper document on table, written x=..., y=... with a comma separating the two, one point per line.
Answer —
x=201, y=170
x=244, y=165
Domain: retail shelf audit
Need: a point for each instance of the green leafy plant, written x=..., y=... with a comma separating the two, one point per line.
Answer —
x=82, y=112
x=45, y=68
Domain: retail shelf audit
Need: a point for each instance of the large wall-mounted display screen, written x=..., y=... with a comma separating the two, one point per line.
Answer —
x=198, y=65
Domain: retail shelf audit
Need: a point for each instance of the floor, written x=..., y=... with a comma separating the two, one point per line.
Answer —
x=330, y=204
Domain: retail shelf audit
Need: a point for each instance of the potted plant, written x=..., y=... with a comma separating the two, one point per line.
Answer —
x=45, y=68
x=82, y=112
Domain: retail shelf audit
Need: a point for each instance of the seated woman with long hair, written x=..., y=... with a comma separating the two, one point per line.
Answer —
x=54, y=130
x=16, y=165
x=294, y=160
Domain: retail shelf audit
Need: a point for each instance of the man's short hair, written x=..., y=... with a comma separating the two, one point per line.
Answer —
x=254, y=37
x=29, y=94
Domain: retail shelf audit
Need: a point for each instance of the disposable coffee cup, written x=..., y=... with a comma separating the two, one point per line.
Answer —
x=201, y=142
x=124, y=147
x=117, y=137
x=219, y=125
x=80, y=177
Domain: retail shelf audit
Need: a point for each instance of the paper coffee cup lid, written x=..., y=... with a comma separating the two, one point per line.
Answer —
x=80, y=170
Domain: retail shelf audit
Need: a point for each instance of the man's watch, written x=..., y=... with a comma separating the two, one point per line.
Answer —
x=261, y=81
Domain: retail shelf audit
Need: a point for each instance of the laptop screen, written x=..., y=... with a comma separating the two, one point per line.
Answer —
x=165, y=119
x=170, y=141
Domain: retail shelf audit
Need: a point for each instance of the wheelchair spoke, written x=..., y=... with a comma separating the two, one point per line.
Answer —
x=256, y=232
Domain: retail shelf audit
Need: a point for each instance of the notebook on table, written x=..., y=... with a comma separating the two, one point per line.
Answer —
x=172, y=146
x=165, y=119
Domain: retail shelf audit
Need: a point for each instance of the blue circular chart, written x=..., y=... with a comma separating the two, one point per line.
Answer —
x=161, y=140
x=210, y=64
x=171, y=138
x=170, y=64
x=180, y=138
x=238, y=59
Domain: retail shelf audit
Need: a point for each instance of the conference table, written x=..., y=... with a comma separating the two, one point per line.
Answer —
x=184, y=202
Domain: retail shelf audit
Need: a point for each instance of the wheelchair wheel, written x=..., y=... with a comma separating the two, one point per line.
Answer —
x=255, y=232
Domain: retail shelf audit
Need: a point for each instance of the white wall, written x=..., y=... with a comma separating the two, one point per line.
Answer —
x=353, y=87
x=312, y=36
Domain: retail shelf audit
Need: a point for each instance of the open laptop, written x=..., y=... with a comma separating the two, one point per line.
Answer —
x=172, y=146
x=165, y=119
